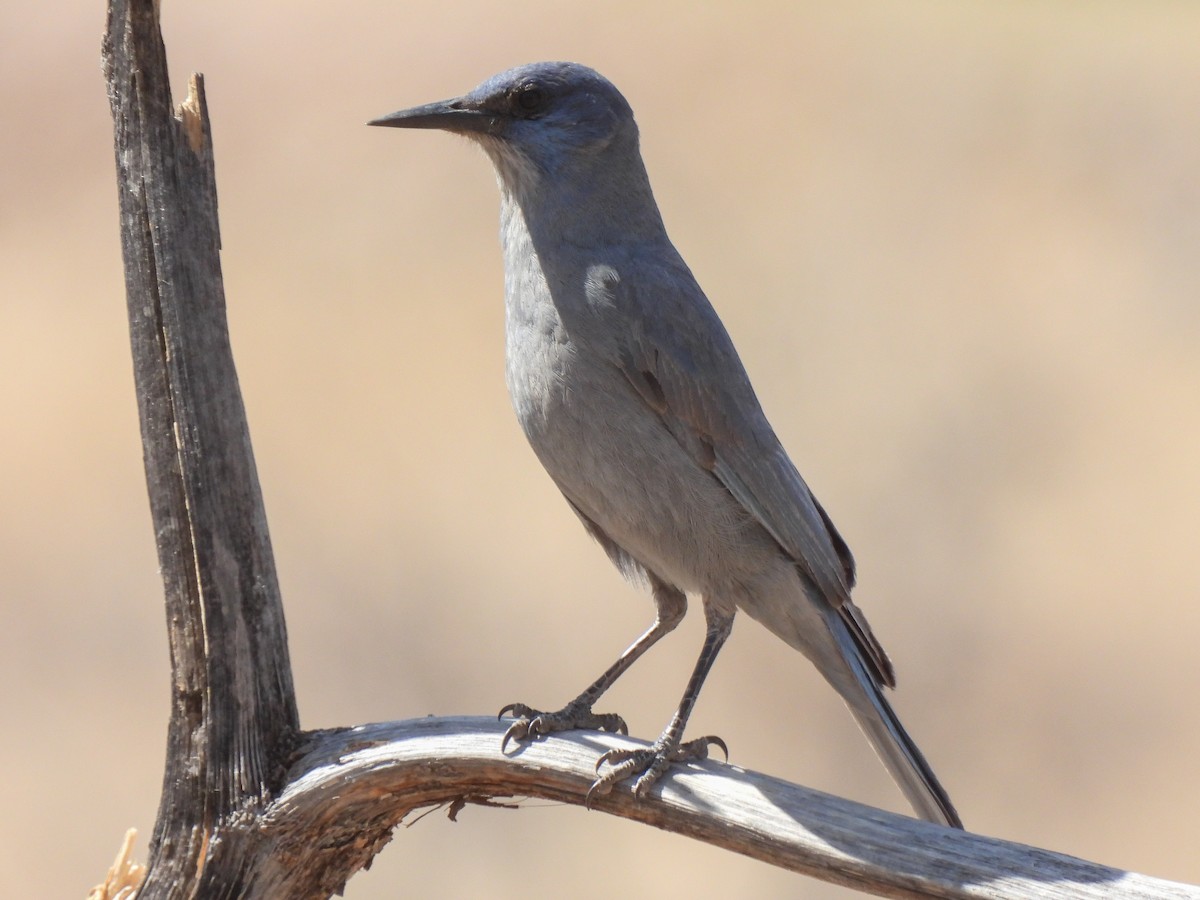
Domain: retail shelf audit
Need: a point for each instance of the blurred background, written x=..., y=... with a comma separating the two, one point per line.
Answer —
x=956, y=245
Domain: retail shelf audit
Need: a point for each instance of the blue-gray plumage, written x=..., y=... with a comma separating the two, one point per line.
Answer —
x=635, y=401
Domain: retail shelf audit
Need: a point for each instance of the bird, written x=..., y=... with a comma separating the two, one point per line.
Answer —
x=635, y=401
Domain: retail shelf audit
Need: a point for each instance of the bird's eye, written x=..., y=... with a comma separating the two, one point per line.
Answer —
x=530, y=98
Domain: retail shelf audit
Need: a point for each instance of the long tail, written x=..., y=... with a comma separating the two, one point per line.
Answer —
x=863, y=693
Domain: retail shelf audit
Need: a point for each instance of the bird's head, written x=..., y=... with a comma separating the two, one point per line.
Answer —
x=535, y=119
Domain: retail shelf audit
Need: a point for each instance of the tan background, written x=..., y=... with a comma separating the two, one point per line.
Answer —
x=957, y=247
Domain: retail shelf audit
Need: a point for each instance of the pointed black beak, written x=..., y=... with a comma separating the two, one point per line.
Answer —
x=459, y=116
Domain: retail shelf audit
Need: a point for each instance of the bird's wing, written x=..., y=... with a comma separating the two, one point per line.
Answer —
x=677, y=355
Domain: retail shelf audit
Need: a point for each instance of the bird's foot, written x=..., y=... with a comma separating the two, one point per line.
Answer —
x=533, y=723
x=650, y=763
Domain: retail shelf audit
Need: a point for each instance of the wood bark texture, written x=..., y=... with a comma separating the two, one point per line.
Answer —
x=233, y=712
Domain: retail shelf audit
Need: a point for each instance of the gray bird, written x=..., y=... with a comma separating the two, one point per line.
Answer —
x=635, y=401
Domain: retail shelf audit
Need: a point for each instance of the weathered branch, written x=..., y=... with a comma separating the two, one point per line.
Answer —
x=251, y=806
x=374, y=775
x=233, y=715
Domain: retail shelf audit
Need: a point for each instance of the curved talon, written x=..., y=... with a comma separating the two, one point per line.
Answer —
x=516, y=731
x=598, y=789
x=697, y=748
x=518, y=710
x=614, y=756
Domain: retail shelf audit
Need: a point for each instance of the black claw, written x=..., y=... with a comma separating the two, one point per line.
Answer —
x=516, y=731
x=713, y=739
x=598, y=789
x=518, y=710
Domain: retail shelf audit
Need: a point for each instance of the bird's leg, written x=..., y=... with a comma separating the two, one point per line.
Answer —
x=671, y=604
x=650, y=763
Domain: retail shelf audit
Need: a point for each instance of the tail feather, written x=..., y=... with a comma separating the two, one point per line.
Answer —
x=839, y=642
x=878, y=721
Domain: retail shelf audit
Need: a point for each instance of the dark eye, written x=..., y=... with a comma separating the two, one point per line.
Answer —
x=530, y=98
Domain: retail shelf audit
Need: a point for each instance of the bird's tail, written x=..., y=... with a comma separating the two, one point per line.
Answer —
x=862, y=691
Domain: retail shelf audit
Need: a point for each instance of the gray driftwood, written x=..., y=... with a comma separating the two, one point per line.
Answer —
x=254, y=807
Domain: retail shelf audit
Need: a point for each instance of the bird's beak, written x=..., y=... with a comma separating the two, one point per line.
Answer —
x=459, y=115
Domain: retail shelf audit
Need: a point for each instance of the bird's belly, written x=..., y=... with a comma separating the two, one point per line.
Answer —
x=613, y=458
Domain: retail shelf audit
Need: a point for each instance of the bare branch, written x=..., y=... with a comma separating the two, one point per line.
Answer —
x=362, y=781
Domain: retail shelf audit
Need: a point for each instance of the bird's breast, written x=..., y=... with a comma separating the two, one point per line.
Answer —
x=607, y=450
x=614, y=459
